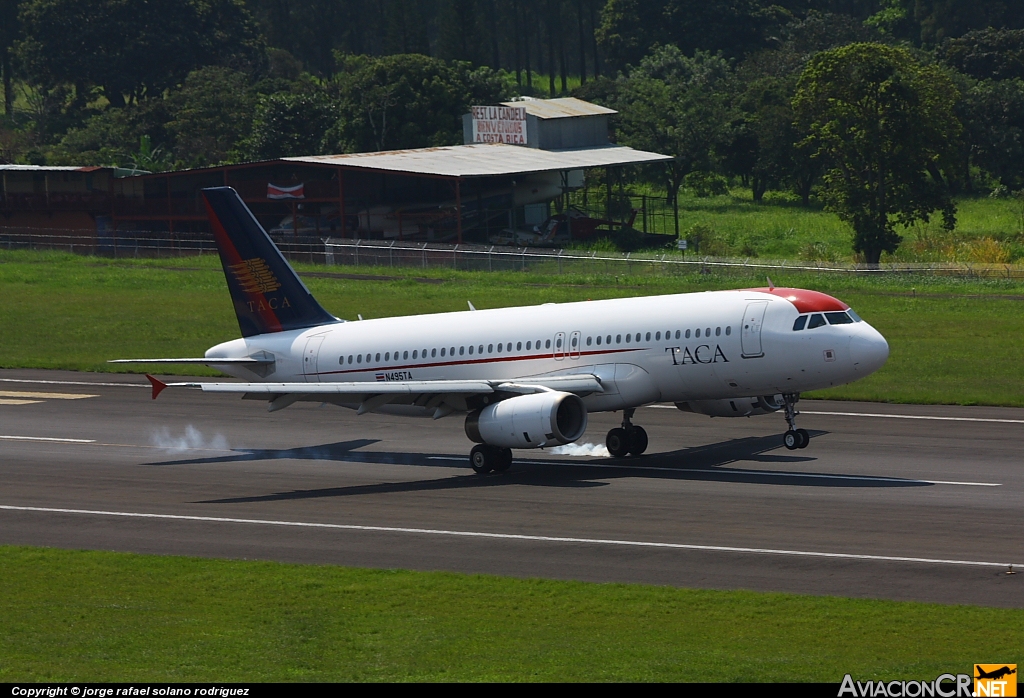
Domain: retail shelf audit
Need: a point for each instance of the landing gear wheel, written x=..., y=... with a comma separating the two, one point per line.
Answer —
x=483, y=459
x=637, y=441
x=791, y=440
x=617, y=442
x=805, y=438
x=503, y=461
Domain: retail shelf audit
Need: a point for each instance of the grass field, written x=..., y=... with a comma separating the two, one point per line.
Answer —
x=951, y=340
x=100, y=616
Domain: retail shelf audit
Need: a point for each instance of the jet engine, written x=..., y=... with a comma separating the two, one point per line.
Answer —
x=734, y=407
x=529, y=421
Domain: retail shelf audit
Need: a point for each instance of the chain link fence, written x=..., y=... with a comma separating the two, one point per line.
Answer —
x=377, y=253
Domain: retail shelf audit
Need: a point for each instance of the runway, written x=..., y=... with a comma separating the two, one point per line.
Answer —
x=888, y=501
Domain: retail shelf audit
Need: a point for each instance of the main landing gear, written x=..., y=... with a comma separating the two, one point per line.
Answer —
x=628, y=438
x=484, y=459
x=794, y=438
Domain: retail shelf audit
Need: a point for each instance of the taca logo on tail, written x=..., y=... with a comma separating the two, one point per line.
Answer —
x=268, y=296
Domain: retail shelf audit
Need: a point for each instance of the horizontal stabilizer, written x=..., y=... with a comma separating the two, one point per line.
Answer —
x=204, y=361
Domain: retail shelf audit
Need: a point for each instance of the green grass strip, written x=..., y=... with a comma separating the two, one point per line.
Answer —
x=102, y=616
x=953, y=341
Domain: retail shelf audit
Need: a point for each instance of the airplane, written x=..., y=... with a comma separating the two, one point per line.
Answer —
x=527, y=377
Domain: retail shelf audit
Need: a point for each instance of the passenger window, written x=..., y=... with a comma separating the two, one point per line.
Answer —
x=627, y=339
x=574, y=341
x=519, y=346
x=414, y=353
x=490, y=348
x=442, y=351
x=838, y=319
x=598, y=340
x=718, y=331
x=387, y=356
x=589, y=339
x=608, y=339
x=816, y=321
x=728, y=330
x=350, y=358
x=341, y=359
x=462, y=350
x=649, y=336
x=378, y=357
x=405, y=354
x=707, y=332
x=433, y=353
x=499, y=348
x=471, y=350
x=451, y=352
x=558, y=343
x=359, y=359
x=697, y=334
x=528, y=346
x=800, y=322
x=547, y=344
x=657, y=336
x=618, y=339
x=687, y=334
x=480, y=349
x=508, y=347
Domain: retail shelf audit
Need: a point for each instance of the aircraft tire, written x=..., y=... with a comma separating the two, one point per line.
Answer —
x=637, y=441
x=483, y=458
x=617, y=442
x=503, y=461
x=791, y=440
x=805, y=438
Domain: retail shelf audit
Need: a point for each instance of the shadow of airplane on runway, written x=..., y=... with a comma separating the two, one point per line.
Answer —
x=703, y=463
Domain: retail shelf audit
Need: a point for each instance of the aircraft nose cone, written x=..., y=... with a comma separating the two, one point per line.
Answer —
x=869, y=351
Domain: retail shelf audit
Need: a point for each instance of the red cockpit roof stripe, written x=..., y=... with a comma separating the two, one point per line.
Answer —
x=804, y=300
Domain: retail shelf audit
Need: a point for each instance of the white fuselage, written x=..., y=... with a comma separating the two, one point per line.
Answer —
x=675, y=348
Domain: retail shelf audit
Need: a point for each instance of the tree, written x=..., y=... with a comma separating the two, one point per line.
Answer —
x=8, y=33
x=996, y=54
x=408, y=101
x=992, y=112
x=287, y=124
x=886, y=128
x=213, y=111
x=131, y=49
x=675, y=105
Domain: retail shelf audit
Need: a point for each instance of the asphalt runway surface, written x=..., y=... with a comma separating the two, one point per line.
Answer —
x=889, y=501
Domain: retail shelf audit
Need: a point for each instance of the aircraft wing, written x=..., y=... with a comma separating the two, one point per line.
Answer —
x=443, y=396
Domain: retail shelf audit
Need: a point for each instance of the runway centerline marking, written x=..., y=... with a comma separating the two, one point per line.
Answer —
x=742, y=471
x=517, y=537
x=47, y=439
x=44, y=382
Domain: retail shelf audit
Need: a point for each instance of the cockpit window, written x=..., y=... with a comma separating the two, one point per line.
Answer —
x=800, y=322
x=838, y=319
x=816, y=321
x=855, y=316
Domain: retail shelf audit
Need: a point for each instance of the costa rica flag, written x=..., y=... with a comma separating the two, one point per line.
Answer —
x=295, y=192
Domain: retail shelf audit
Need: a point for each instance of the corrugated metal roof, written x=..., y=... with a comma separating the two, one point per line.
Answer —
x=560, y=108
x=485, y=159
x=48, y=168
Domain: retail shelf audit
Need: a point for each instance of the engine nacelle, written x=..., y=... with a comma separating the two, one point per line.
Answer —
x=529, y=421
x=734, y=407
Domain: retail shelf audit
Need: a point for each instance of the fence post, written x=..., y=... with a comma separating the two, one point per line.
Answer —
x=490, y=268
x=560, y=262
x=391, y=259
x=424, y=254
x=455, y=257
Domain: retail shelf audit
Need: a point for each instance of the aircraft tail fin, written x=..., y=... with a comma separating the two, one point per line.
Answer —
x=267, y=293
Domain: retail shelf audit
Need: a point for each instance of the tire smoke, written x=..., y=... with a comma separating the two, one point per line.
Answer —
x=592, y=450
x=192, y=440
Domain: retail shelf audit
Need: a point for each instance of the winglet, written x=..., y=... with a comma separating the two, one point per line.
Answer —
x=158, y=385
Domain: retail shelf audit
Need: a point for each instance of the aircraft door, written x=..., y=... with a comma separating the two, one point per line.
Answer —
x=310, y=357
x=574, y=345
x=750, y=331
x=559, y=348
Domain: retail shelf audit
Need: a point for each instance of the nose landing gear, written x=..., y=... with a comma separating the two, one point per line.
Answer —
x=629, y=438
x=794, y=438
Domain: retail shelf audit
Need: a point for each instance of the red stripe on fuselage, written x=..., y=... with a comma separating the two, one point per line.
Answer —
x=495, y=359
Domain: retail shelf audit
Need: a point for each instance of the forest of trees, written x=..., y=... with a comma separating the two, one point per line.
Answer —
x=739, y=89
